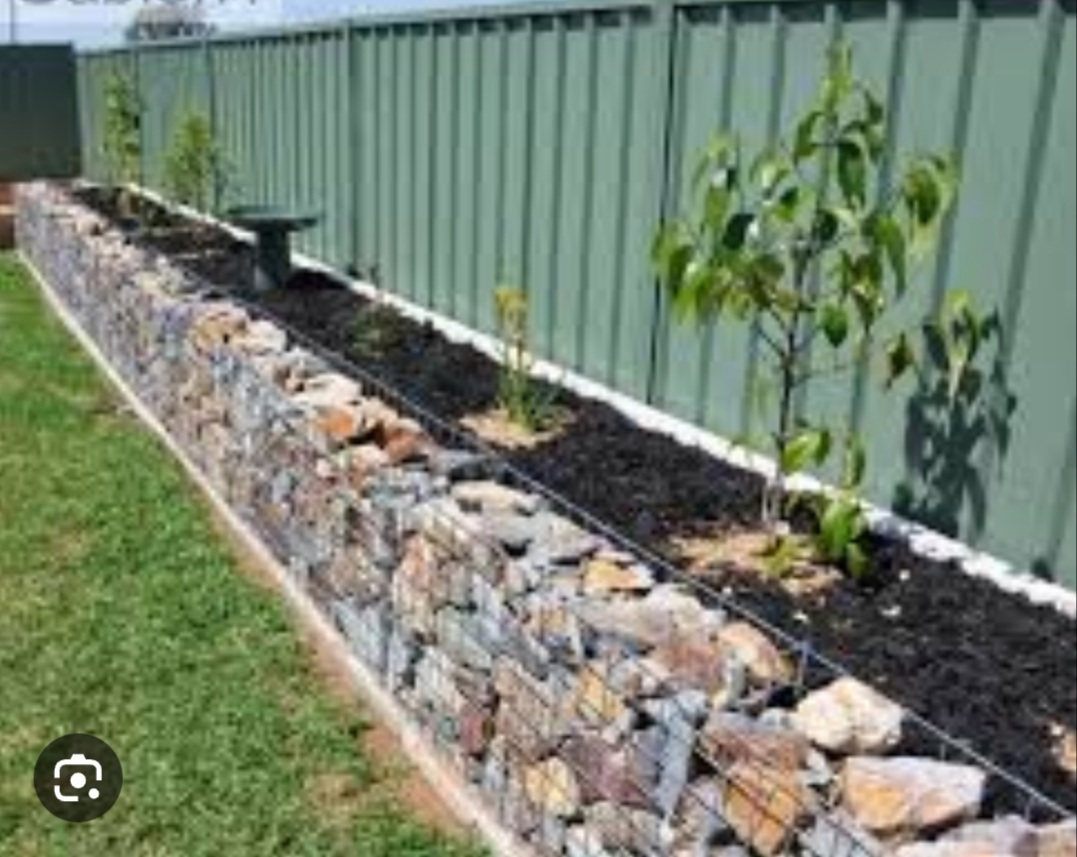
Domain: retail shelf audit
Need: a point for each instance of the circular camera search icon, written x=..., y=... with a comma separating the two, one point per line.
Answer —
x=78, y=777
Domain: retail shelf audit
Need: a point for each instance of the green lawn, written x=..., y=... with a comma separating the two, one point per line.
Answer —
x=123, y=614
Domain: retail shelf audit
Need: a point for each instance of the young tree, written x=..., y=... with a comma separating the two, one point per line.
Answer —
x=122, y=145
x=195, y=167
x=808, y=244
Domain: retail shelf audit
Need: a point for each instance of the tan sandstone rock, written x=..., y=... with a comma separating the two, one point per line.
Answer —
x=910, y=796
x=764, y=663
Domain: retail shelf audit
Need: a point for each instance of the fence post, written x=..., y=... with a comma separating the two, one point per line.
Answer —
x=665, y=31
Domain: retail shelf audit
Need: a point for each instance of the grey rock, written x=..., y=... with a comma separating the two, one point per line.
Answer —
x=436, y=684
x=837, y=833
x=582, y=841
x=512, y=530
x=401, y=655
x=624, y=830
x=467, y=639
x=560, y=542
x=700, y=820
x=665, y=612
x=367, y=629
x=489, y=496
x=1010, y=834
x=676, y=763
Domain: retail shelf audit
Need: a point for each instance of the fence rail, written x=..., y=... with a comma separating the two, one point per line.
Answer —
x=541, y=144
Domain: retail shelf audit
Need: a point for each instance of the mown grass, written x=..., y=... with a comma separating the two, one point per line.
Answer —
x=123, y=614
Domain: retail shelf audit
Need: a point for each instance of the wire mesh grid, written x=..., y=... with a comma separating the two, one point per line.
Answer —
x=813, y=668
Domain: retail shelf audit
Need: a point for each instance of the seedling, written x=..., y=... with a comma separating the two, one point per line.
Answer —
x=196, y=172
x=122, y=145
x=524, y=401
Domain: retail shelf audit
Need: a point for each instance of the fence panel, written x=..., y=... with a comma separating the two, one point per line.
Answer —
x=538, y=145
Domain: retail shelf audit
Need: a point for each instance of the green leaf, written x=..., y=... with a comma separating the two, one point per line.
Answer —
x=736, y=231
x=671, y=253
x=888, y=233
x=712, y=168
x=810, y=446
x=827, y=225
x=927, y=190
x=852, y=173
x=839, y=79
x=856, y=560
x=769, y=170
x=696, y=299
x=788, y=205
x=873, y=107
x=804, y=143
x=868, y=302
x=958, y=303
x=855, y=463
x=834, y=321
x=900, y=357
x=716, y=206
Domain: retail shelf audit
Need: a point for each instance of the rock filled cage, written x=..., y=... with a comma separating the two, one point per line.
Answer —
x=598, y=701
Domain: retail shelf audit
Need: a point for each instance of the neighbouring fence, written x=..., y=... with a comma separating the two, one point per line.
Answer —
x=39, y=114
x=542, y=144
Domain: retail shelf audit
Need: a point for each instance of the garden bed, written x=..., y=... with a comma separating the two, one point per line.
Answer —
x=985, y=665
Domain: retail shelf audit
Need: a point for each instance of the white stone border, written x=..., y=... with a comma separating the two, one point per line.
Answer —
x=461, y=800
x=920, y=539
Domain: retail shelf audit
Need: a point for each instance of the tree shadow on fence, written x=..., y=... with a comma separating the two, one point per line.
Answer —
x=957, y=430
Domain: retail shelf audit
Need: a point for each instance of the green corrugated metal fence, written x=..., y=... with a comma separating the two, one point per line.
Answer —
x=541, y=145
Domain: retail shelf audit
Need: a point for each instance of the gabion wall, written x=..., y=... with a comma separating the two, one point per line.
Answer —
x=601, y=710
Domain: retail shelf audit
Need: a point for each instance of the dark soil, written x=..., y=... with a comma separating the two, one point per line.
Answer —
x=990, y=668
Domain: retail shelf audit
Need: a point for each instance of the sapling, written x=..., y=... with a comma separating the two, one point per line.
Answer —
x=195, y=167
x=524, y=401
x=810, y=244
x=122, y=144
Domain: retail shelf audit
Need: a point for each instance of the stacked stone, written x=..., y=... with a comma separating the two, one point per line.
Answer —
x=602, y=710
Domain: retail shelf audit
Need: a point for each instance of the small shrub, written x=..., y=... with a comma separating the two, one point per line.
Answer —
x=809, y=244
x=122, y=145
x=377, y=329
x=195, y=168
x=525, y=402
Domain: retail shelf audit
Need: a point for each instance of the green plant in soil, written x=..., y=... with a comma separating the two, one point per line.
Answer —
x=526, y=402
x=122, y=143
x=196, y=171
x=811, y=243
x=377, y=330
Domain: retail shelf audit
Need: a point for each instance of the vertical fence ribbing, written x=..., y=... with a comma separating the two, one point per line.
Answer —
x=670, y=126
x=622, y=213
x=583, y=292
x=271, y=98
